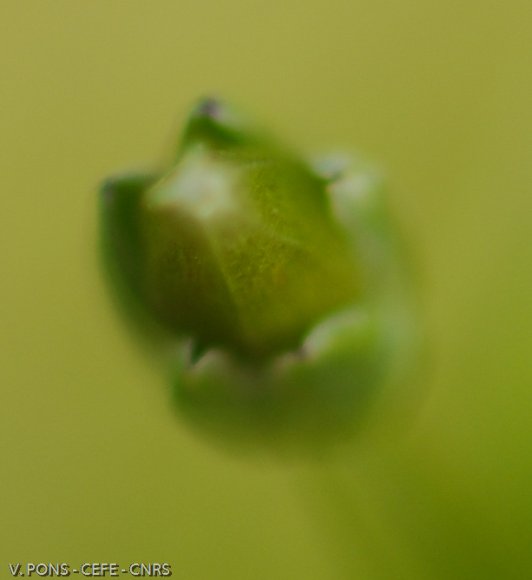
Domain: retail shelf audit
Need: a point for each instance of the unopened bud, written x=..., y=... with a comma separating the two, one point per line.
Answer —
x=265, y=265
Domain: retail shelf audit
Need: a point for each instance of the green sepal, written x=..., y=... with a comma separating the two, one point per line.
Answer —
x=122, y=249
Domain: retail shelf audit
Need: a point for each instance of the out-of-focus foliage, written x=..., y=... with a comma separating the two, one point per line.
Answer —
x=440, y=94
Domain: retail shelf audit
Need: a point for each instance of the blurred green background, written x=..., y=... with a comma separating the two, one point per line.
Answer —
x=94, y=465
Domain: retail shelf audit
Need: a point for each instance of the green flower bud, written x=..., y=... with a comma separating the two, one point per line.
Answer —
x=276, y=278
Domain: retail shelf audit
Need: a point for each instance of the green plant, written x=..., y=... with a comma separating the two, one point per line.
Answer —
x=278, y=282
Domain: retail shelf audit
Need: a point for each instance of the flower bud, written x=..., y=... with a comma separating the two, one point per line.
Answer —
x=261, y=266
